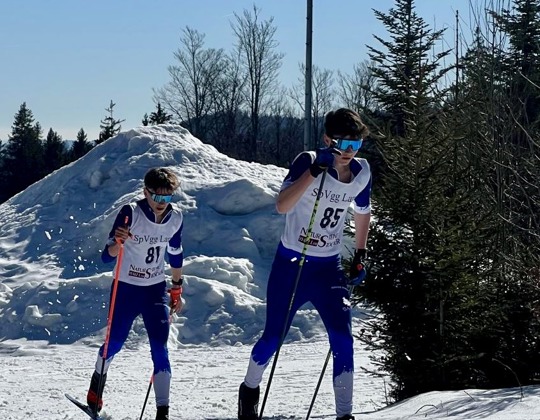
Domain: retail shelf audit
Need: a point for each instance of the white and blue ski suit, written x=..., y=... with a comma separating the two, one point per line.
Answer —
x=142, y=289
x=322, y=281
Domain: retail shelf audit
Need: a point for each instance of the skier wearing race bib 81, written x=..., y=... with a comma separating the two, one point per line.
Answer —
x=154, y=228
x=322, y=279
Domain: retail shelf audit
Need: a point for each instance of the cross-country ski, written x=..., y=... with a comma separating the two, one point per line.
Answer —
x=85, y=408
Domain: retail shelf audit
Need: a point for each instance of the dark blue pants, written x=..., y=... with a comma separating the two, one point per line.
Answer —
x=151, y=303
x=323, y=284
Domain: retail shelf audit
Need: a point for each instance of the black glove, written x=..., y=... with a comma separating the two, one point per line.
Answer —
x=357, y=273
x=323, y=160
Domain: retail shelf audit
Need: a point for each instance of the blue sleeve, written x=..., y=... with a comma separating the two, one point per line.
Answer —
x=124, y=212
x=175, y=252
x=363, y=199
x=299, y=165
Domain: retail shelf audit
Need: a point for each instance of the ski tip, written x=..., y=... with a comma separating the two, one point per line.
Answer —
x=72, y=399
x=86, y=410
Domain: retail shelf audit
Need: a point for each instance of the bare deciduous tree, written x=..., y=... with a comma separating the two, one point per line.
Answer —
x=322, y=94
x=227, y=104
x=189, y=93
x=354, y=91
x=257, y=48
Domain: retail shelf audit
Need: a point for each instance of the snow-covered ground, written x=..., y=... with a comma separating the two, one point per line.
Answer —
x=35, y=377
x=54, y=290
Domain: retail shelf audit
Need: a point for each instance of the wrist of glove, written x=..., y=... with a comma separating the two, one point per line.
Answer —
x=175, y=295
x=358, y=272
x=324, y=159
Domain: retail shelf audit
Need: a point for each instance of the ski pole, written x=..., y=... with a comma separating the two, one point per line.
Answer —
x=318, y=383
x=111, y=313
x=323, y=371
x=151, y=382
x=147, y=394
x=295, y=286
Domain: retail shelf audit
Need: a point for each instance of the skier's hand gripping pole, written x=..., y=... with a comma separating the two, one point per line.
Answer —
x=175, y=299
x=324, y=159
x=358, y=271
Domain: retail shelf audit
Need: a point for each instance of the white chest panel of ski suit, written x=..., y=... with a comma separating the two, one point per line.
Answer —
x=143, y=262
x=327, y=232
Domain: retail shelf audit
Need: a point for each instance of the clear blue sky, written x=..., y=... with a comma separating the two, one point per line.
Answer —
x=68, y=58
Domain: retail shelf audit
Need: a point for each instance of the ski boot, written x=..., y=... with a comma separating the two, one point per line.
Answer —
x=162, y=413
x=248, y=403
x=94, y=403
x=345, y=417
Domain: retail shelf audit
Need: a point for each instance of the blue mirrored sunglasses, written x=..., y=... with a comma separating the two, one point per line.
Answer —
x=159, y=198
x=344, y=144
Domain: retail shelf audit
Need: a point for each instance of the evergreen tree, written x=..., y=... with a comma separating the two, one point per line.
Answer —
x=455, y=241
x=417, y=255
x=519, y=157
x=408, y=64
x=497, y=344
x=159, y=116
x=54, y=152
x=109, y=125
x=522, y=25
x=145, y=121
x=510, y=166
x=81, y=146
x=23, y=154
